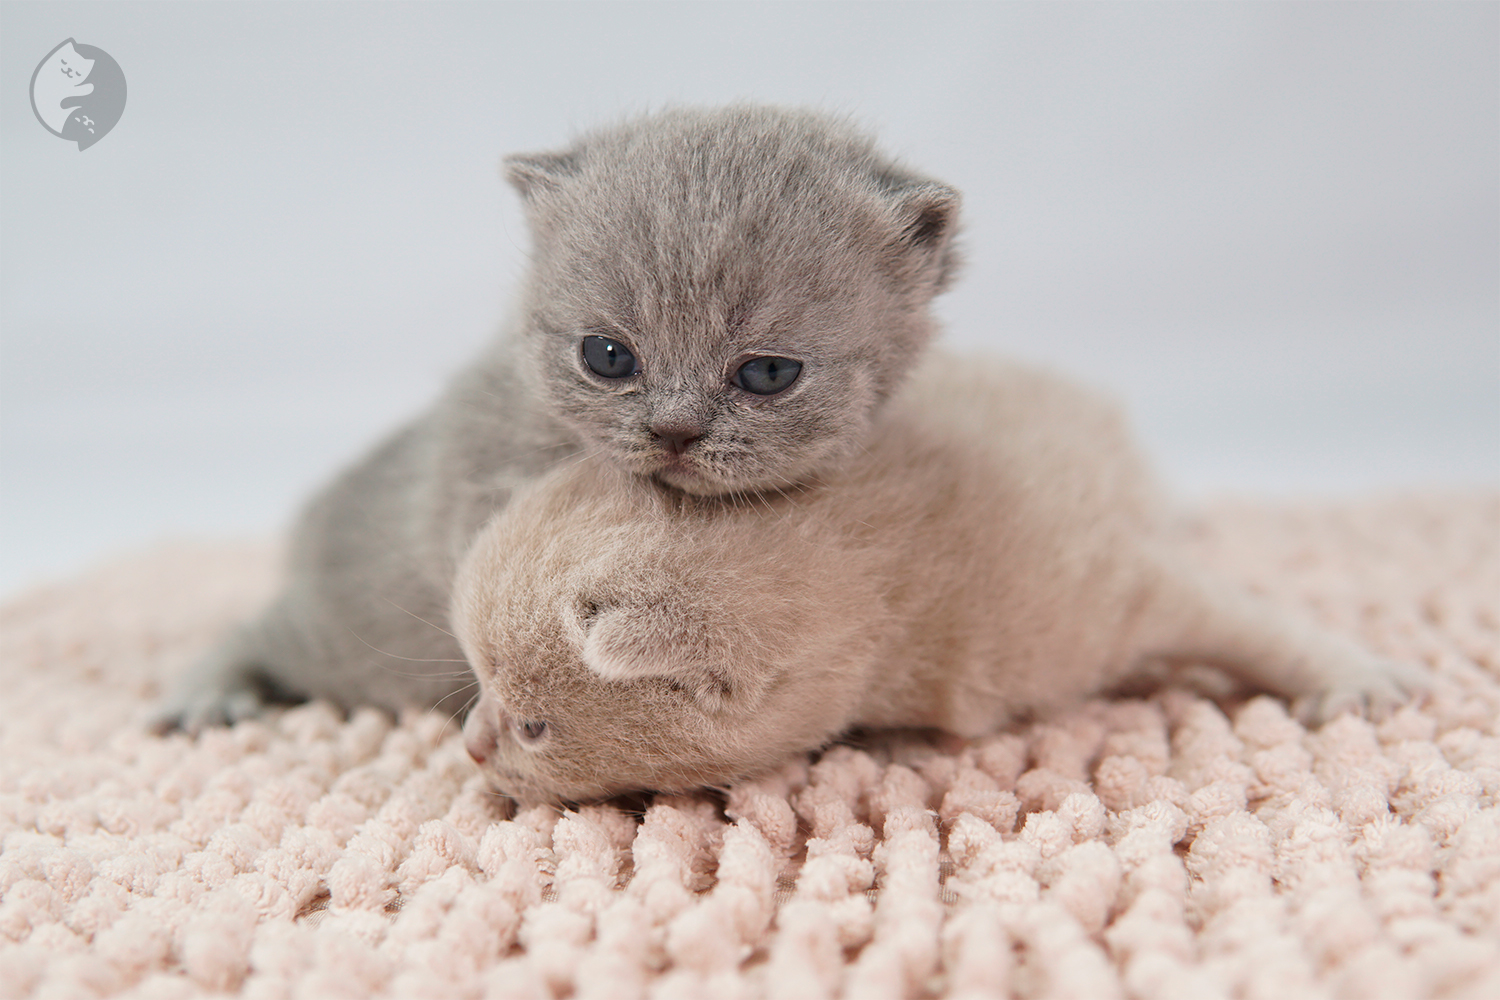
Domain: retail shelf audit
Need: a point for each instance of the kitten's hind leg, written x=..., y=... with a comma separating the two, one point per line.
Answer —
x=232, y=682
x=1193, y=616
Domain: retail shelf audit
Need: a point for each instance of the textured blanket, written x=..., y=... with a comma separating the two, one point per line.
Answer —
x=1158, y=847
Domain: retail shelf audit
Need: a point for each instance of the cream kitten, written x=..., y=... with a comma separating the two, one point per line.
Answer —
x=999, y=551
x=719, y=300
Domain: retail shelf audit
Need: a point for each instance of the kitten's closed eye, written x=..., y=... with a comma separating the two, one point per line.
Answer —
x=767, y=376
x=609, y=358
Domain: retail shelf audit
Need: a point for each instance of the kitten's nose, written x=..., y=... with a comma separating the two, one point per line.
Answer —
x=676, y=437
x=481, y=730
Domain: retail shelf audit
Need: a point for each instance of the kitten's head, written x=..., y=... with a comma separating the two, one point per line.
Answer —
x=625, y=643
x=721, y=299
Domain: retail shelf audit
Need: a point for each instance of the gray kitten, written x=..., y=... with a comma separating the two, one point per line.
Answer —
x=719, y=300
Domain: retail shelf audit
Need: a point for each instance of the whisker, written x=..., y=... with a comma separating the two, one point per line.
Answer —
x=570, y=446
x=418, y=617
x=465, y=689
x=474, y=697
x=411, y=659
x=435, y=675
x=582, y=455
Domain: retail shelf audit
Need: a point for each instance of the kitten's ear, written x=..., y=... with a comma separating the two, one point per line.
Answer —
x=659, y=639
x=926, y=217
x=535, y=173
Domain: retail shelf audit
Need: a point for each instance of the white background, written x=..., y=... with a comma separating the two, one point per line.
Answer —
x=1272, y=228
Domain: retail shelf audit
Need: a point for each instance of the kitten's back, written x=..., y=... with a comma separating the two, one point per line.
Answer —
x=1018, y=515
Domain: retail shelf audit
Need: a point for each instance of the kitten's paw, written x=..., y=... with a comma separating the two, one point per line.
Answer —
x=1375, y=692
x=195, y=709
x=202, y=710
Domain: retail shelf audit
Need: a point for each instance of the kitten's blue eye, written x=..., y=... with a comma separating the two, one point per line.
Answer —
x=767, y=376
x=608, y=358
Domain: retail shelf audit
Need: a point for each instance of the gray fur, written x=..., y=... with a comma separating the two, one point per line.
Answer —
x=696, y=237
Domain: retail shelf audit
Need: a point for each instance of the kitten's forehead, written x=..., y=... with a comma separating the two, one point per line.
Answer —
x=684, y=293
x=714, y=221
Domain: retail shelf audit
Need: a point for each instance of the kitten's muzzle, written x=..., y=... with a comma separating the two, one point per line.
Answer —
x=676, y=437
x=482, y=731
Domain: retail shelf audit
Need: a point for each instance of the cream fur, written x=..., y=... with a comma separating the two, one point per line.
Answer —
x=999, y=551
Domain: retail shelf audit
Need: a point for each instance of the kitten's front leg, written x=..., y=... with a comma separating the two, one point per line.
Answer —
x=1196, y=617
x=231, y=682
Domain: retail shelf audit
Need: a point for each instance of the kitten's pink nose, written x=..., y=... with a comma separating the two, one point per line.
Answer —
x=676, y=437
x=481, y=730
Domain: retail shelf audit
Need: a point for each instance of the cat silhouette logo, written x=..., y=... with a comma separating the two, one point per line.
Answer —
x=78, y=93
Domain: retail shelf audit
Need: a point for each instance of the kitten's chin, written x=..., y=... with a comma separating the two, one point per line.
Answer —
x=701, y=484
x=696, y=482
x=517, y=796
x=689, y=481
x=687, y=476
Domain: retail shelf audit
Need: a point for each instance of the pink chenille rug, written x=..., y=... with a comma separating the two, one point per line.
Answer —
x=1164, y=847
